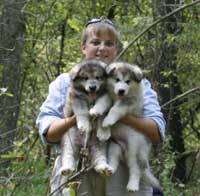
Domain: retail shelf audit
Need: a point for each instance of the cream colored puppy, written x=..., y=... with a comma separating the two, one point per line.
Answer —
x=125, y=90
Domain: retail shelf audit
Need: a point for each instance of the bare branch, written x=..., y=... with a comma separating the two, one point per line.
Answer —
x=180, y=96
x=8, y=49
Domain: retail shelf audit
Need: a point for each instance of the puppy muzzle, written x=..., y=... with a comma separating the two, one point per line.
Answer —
x=92, y=92
x=121, y=92
x=92, y=89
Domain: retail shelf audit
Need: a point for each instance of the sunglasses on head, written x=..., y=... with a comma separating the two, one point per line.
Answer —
x=98, y=20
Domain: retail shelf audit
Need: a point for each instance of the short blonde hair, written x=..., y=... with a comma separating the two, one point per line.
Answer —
x=101, y=28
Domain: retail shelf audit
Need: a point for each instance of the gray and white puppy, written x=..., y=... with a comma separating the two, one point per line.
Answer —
x=86, y=94
x=126, y=92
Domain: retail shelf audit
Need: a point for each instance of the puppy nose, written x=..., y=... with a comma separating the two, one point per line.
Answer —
x=121, y=92
x=92, y=88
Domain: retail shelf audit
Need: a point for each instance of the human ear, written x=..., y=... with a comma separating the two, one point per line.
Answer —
x=83, y=47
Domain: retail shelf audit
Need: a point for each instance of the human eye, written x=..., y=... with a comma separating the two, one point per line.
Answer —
x=95, y=42
x=110, y=43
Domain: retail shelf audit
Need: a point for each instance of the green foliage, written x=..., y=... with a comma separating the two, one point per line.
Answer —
x=28, y=172
x=167, y=161
x=52, y=46
x=69, y=192
x=164, y=164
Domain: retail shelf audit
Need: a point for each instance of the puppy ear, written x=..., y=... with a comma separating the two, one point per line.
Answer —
x=137, y=73
x=75, y=71
x=110, y=68
x=102, y=64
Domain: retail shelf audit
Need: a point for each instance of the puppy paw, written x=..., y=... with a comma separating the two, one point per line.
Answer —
x=84, y=126
x=67, y=170
x=104, y=134
x=104, y=169
x=133, y=186
x=93, y=112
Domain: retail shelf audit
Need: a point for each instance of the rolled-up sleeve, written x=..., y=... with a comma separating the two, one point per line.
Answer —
x=152, y=108
x=52, y=108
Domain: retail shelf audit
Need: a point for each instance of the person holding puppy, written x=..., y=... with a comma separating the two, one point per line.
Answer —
x=100, y=41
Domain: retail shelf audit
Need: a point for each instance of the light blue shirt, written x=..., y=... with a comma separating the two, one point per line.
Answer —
x=52, y=108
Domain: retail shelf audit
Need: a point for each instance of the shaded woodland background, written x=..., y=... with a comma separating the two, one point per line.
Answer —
x=41, y=39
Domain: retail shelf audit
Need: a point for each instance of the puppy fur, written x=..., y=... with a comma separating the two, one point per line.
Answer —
x=125, y=90
x=86, y=99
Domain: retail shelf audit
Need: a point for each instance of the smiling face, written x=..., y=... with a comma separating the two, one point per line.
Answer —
x=100, y=44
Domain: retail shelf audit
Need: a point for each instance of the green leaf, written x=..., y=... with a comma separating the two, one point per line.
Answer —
x=69, y=192
x=11, y=156
x=73, y=25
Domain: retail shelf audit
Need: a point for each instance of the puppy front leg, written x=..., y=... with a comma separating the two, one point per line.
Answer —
x=115, y=113
x=80, y=109
x=101, y=106
x=103, y=133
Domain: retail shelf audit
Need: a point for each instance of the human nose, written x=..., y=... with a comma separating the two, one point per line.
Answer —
x=102, y=46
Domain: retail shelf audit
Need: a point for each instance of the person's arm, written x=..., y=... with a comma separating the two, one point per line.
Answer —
x=58, y=128
x=51, y=116
x=146, y=126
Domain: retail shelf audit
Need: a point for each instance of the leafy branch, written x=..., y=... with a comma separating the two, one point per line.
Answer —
x=154, y=24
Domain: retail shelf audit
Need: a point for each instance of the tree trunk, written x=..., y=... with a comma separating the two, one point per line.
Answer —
x=12, y=29
x=168, y=85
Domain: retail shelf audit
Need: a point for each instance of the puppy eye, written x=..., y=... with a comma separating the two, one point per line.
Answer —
x=98, y=78
x=117, y=79
x=127, y=81
x=85, y=78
